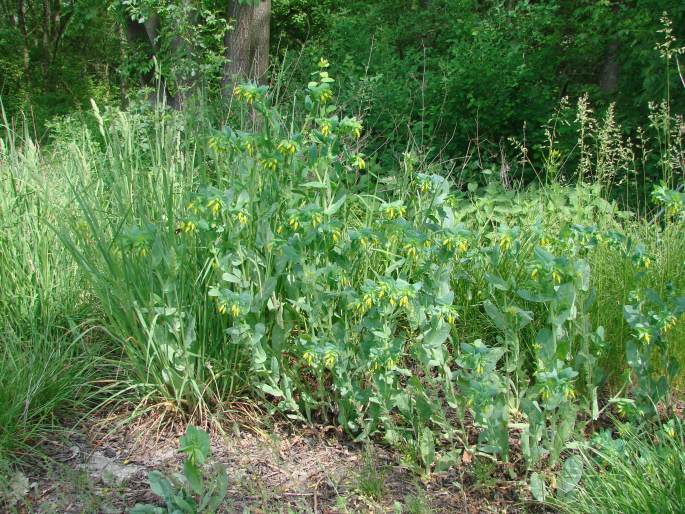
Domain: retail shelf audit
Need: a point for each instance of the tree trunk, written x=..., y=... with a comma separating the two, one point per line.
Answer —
x=237, y=43
x=247, y=44
x=261, y=29
x=137, y=37
x=185, y=72
x=60, y=23
x=46, y=37
x=142, y=36
x=152, y=25
x=608, y=80
x=21, y=23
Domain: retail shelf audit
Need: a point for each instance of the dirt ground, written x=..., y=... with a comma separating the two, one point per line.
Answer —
x=289, y=469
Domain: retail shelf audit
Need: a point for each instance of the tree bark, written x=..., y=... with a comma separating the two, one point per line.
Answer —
x=60, y=23
x=140, y=36
x=21, y=24
x=261, y=29
x=608, y=79
x=237, y=42
x=247, y=44
x=46, y=37
x=185, y=75
x=137, y=37
x=152, y=25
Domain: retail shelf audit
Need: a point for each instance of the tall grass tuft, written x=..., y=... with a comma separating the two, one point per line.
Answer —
x=46, y=364
x=152, y=283
x=639, y=472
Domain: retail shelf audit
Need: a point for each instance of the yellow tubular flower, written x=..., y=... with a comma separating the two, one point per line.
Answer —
x=242, y=218
x=329, y=360
x=569, y=393
x=269, y=164
x=404, y=301
x=308, y=357
x=287, y=147
x=645, y=336
x=410, y=250
x=669, y=323
x=463, y=246
x=556, y=277
x=214, y=205
x=188, y=227
x=235, y=310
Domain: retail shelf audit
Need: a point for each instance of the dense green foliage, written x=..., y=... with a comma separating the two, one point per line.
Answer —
x=461, y=69
x=49, y=68
x=448, y=71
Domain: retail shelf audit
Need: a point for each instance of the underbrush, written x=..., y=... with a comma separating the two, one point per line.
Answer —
x=271, y=259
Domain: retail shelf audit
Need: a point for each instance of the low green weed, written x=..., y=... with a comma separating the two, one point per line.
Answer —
x=370, y=481
x=188, y=492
